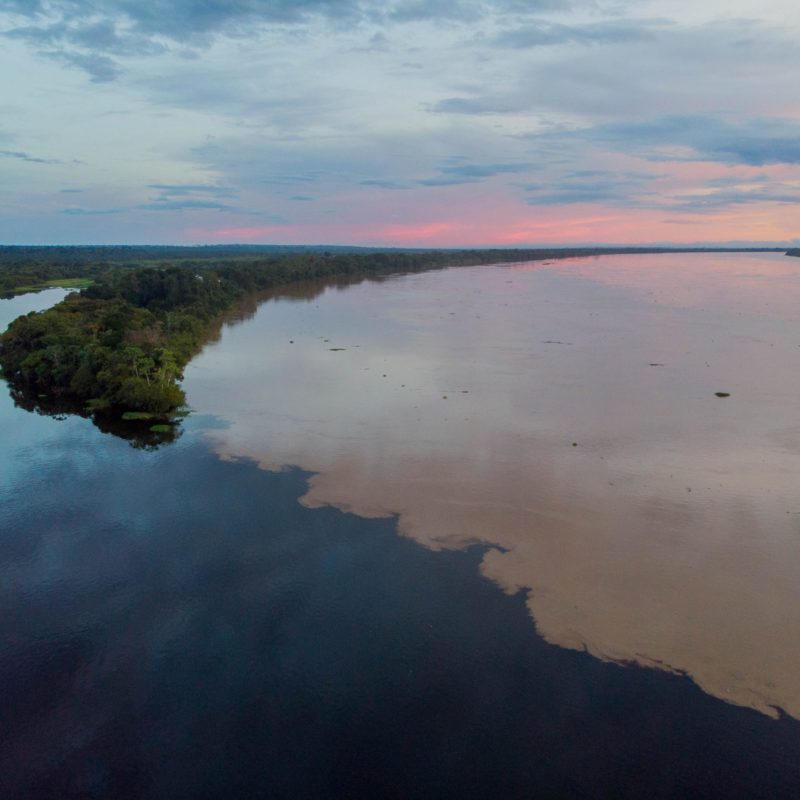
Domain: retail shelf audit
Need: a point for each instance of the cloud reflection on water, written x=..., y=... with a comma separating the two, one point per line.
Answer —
x=648, y=520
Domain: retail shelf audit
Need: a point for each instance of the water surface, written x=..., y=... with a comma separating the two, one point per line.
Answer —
x=174, y=624
x=566, y=415
x=13, y=307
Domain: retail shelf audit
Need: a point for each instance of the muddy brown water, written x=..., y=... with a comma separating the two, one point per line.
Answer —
x=566, y=415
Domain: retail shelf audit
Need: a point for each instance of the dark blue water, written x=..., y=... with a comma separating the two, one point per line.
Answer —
x=177, y=626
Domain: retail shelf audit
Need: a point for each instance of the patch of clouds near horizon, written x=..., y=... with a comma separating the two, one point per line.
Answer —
x=756, y=141
x=617, y=188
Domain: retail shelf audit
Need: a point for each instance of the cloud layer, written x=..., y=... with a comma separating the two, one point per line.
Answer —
x=453, y=121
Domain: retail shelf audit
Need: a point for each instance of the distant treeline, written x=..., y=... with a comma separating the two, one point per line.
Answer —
x=793, y=253
x=23, y=268
x=121, y=344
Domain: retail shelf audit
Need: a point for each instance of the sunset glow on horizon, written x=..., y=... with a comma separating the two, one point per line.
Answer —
x=442, y=124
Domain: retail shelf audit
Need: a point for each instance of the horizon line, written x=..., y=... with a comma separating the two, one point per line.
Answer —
x=740, y=245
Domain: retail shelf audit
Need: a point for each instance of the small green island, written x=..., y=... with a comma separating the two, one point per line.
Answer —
x=117, y=346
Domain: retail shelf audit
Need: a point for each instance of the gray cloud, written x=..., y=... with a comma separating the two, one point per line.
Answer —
x=544, y=34
x=100, y=68
x=384, y=184
x=476, y=105
x=23, y=7
x=291, y=180
x=93, y=34
x=95, y=23
x=187, y=205
x=416, y=10
x=170, y=190
x=637, y=190
x=211, y=16
x=179, y=19
x=21, y=156
x=176, y=19
x=288, y=106
x=733, y=180
x=736, y=193
x=275, y=169
x=754, y=142
x=654, y=67
x=91, y=212
x=89, y=39
x=624, y=189
x=192, y=197
x=454, y=174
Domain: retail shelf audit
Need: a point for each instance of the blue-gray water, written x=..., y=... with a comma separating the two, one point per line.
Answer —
x=175, y=625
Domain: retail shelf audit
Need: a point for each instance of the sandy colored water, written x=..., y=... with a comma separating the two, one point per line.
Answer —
x=564, y=414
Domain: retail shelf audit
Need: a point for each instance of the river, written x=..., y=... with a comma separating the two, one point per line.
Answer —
x=594, y=591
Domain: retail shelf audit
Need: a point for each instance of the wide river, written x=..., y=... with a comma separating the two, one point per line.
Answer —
x=547, y=543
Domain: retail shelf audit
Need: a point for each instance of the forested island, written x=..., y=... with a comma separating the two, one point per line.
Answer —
x=118, y=346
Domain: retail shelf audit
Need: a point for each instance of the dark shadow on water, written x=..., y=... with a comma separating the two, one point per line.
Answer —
x=138, y=433
x=176, y=626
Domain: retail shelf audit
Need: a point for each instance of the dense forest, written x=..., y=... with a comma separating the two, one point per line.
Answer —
x=120, y=344
x=27, y=268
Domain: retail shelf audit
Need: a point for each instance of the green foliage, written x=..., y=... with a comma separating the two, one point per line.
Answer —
x=107, y=353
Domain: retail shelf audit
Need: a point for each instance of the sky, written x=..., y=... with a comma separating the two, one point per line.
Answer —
x=445, y=123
